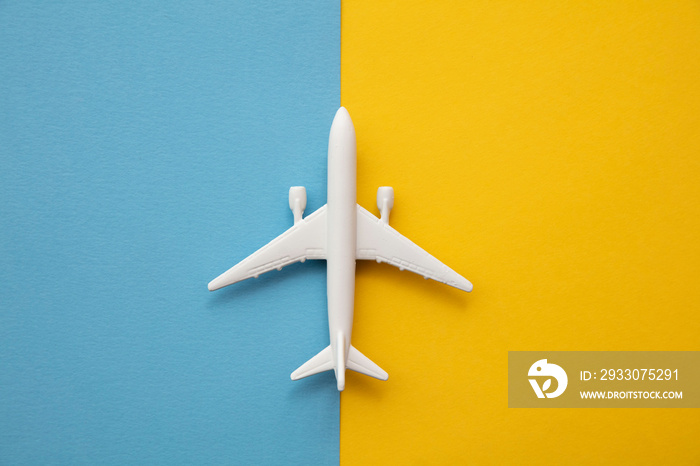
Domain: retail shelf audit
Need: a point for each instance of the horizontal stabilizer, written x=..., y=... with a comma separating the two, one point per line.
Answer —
x=323, y=361
x=358, y=362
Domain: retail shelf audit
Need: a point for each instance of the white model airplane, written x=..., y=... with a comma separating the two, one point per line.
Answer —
x=341, y=232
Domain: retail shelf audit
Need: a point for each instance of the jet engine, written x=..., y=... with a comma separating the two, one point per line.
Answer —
x=385, y=202
x=297, y=201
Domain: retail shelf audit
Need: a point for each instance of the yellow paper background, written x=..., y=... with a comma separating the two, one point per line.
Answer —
x=549, y=152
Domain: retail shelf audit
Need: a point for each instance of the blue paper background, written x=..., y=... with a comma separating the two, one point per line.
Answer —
x=146, y=148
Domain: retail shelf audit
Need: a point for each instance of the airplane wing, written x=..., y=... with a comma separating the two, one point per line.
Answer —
x=305, y=240
x=378, y=241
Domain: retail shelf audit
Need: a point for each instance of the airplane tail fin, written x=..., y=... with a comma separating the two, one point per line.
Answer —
x=358, y=362
x=340, y=363
x=323, y=361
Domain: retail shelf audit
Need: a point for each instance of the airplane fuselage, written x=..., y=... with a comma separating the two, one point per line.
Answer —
x=342, y=238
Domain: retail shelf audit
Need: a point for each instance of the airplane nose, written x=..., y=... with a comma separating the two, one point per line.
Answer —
x=342, y=111
x=342, y=120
